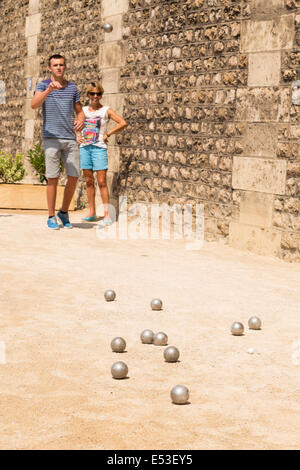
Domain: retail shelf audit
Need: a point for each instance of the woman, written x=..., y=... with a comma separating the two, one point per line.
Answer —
x=93, y=147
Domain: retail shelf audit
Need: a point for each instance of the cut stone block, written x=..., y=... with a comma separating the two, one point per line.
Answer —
x=113, y=155
x=33, y=25
x=116, y=34
x=115, y=101
x=110, y=80
x=256, y=209
x=114, y=7
x=256, y=174
x=264, y=69
x=263, y=104
x=32, y=66
x=33, y=6
x=258, y=240
x=273, y=35
x=111, y=54
x=29, y=113
x=29, y=129
x=32, y=46
x=267, y=6
x=260, y=140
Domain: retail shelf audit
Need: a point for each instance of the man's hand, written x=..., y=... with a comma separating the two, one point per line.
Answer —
x=54, y=86
x=78, y=125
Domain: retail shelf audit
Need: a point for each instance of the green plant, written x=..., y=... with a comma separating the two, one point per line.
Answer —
x=11, y=168
x=36, y=156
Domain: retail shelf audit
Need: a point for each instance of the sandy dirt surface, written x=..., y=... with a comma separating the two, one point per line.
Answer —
x=55, y=382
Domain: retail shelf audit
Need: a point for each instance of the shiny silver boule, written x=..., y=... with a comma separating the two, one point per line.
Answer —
x=237, y=328
x=171, y=354
x=156, y=304
x=118, y=344
x=147, y=336
x=109, y=295
x=160, y=339
x=180, y=394
x=107, y=28
x=119, y=370
x=254, y=323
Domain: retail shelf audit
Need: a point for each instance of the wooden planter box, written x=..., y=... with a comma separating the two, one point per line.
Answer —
x=29, y=196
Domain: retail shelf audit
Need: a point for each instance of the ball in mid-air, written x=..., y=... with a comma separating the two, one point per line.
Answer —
x=156, y=304
x=107, y=28
x=171, y=354
x=237, y=328
x=119, y=370
x=109, y=295
x=147, y=336
x=254, y=323
x=160, y=339
x=118, y=344
x=180, y=394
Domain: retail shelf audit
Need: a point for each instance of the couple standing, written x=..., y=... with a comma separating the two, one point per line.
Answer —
x=62, y=133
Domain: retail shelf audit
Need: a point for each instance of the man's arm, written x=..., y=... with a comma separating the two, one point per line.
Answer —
x=79, y=120
x=40, y=96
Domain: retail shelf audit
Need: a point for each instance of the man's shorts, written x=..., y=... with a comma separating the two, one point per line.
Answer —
x=93, y=158
x=61, y=148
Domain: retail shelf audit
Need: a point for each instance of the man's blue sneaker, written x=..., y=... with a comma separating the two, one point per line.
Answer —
x=64, y=219
x=52, y=223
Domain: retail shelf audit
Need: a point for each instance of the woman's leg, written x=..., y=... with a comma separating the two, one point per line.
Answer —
x=90, y=190
x=101, y=178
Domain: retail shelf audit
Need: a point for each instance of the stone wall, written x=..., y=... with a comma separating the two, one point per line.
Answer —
x=13, y=51
x=208, y=98
x=205, y=86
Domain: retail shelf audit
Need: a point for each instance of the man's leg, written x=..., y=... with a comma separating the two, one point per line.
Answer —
x=51, y=195
x=70, y=155
x=69, y=192
x=52, y=158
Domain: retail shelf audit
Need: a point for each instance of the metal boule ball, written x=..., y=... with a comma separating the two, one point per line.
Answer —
x=237, y=328
x=156, y=304
x=147, y=336
x=171, y=354
x=107, y=28
x=254, y=323
x=160, y=339
x=118, y=344
x=119, y=370
x=180, y=394
x=109, y=295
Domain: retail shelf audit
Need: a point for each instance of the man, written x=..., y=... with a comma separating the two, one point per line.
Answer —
x=59, y=99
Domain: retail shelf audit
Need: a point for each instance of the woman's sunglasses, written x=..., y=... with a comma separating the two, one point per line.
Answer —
x=91, y=93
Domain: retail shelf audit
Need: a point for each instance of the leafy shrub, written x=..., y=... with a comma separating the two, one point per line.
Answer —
x=36, y=156
x=11, y=169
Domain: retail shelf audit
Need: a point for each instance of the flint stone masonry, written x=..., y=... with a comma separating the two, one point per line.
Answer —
x=205, y=86
x=255, y=174
x=261, y=36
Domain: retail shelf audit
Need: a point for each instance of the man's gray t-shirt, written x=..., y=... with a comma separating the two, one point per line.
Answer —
x=58, y=111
